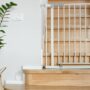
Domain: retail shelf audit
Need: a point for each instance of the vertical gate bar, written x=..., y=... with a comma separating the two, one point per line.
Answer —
x=64, y=31
x=58, y=36
x=85, y=33
x=42, y=36
x=52, y=36
x=46, y=37
x=69, y=33
x=43, y=33
x=80, y=34
x=74, y=33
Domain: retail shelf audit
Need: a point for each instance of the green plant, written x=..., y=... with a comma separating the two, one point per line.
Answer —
x=4, y=16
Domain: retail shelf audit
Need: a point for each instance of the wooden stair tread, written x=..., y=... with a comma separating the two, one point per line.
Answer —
x=47, y=71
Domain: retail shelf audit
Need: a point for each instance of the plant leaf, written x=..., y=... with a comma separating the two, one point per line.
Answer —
x=4, y=7
x=13, y=4
x=4, y=14
x=1, y=40
x=1, y=9
x=2, y=36
x=1, y=15
x=4, y=26
x=8, y=5
x=2, y=31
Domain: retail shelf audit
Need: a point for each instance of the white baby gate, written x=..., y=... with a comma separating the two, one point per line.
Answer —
x=66, y=34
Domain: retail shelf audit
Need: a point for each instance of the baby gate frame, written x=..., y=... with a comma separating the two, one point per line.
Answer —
x=66, y=34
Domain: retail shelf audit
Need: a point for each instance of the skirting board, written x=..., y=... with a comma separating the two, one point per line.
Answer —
x=31, y=67
x=14, y=85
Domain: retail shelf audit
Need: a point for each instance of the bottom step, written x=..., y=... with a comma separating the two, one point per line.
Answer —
x=56, y=88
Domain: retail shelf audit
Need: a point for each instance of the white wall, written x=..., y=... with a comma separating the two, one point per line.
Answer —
x=23, y=39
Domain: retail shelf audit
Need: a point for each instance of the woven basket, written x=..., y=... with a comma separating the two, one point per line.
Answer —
x=1, y=71
x=1, y=86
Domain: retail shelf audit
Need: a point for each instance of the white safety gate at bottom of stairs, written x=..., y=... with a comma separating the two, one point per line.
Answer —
x=80, y=15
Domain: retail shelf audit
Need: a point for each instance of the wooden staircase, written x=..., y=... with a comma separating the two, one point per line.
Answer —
x=69, y=79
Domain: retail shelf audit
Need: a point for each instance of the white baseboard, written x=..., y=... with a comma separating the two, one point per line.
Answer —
x=14, y=82
x=31, y=67
x=14, y=85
